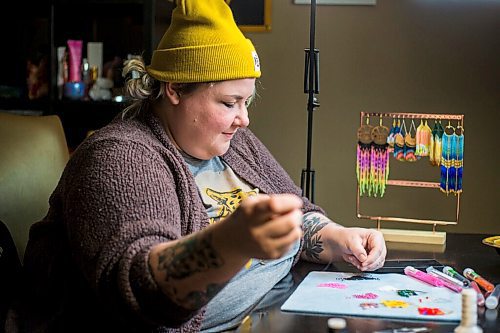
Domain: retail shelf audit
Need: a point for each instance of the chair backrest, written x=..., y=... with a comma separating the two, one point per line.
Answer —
x=33, y=154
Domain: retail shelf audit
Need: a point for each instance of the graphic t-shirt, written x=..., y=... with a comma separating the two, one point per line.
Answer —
x=222, y=191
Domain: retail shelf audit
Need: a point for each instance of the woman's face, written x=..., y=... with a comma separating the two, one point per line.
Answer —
x=203, y=122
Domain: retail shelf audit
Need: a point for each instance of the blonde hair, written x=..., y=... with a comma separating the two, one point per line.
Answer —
x=142, y=90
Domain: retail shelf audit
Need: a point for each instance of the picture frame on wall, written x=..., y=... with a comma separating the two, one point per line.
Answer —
x=252, y=15
x=337, y=2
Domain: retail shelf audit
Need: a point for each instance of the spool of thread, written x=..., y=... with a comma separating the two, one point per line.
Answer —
x=335, y=325
x=468, y=324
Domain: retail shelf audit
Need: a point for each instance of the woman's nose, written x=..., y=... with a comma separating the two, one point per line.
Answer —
x=242, y=119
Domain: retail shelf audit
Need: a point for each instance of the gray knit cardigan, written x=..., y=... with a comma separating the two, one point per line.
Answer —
x=124, y=190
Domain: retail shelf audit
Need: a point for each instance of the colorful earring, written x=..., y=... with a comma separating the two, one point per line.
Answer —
x=363, y=157
x=399, y=142
x=437, y=143
x=459, y=158
x=379, y=160
x=392, y=132
x=423, y=137
x=410, y=144
x=448, y=171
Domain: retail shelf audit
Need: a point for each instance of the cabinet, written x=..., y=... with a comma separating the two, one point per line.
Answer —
x=32, y=31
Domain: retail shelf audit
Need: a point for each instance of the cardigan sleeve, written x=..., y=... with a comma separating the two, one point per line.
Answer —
x=121, y=199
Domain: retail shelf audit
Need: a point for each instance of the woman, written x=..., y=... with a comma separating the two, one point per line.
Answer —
x=175, y=217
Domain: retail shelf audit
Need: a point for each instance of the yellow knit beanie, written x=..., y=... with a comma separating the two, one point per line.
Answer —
x=203, y=44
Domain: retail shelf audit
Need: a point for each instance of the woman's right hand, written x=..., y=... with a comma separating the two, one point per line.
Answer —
x=192, y=269
x=266, y=226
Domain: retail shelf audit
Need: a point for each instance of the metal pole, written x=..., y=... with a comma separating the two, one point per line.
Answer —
x=311, y=87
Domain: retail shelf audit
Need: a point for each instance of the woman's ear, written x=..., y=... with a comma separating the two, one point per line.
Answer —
x=171, y=93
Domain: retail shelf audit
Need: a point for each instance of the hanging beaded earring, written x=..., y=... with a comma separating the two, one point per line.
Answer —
x=432, y=161
x=363, y=156
x=399, y=142
x=417, y=137
x=379, y=160
x=438, y=143
x=435, y=148
x=410, y=144
x=459, y=158
x=448, y=171
x=392, y=132
x=423, y=137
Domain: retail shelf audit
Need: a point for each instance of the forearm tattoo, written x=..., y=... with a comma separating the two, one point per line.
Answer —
x=313, y=245
x=185, y=259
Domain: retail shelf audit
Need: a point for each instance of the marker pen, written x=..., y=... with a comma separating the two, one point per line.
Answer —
x=480, y=296
x=422, y=276
x=492, y=299
x=455, y=286
x=482, y=282
x=454, y=274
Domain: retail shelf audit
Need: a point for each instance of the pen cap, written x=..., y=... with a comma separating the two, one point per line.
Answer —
x=409, y=269
x=492, y=300
x=470, y=274
x=448, y=270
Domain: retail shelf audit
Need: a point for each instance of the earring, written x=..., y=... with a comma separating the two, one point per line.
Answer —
x=423, y=139
x=363, y=157
x=410, y=145
x=447, y=181
x=392, y=132
x=399, y=142
x=459, y=158
x=379, y=160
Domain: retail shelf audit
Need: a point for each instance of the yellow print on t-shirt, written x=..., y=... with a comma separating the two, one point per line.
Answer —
x=227, y=201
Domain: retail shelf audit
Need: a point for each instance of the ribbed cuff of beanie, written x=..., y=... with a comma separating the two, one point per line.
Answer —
x=207, y=63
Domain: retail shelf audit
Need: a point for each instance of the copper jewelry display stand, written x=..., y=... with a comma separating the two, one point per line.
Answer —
x=411, y=236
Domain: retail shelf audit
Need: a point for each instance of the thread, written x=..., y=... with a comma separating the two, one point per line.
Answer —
x=336, y=324
x=468, y=324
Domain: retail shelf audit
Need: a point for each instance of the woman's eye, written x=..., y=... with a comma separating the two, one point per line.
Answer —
x=228, y=105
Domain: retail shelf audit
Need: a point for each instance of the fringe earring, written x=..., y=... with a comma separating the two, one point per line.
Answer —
x=448, y=171
x=432, y=144
x=379, y=160
x=399, y=142
x=459, y=158
x=363, y=157
x=423, y=137
x=436, y=143
x=392, y=132
x=410, y=144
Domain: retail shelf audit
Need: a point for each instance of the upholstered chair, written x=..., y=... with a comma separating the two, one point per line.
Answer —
x=33, y=153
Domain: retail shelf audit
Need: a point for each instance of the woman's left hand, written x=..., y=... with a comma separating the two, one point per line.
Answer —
x=364, y=248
